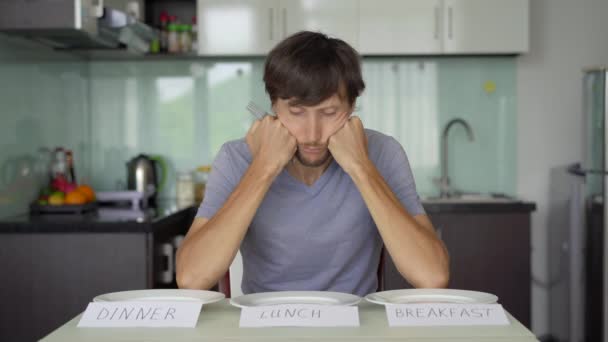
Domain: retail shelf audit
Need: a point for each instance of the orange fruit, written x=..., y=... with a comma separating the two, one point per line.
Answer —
x=75, y=197
x=87, y=191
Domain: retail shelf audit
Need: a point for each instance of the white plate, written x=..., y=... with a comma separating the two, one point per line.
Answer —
x=295, y=297
x=162, y=295
x=413, y=296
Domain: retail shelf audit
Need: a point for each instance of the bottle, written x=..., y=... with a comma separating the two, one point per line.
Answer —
x=155, y=43
x=173, y=38
x=185, y=41
x=59, y=166
x=194, y=35
x=164, y=32
x=71, y=175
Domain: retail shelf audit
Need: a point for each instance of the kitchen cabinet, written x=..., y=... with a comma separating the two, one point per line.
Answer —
x=443, y=27
x=489, y=252
x=373, y=27
x=389, y=27
x=53, y=267
x=238, y=27
x=336, y=18
x=485, y=26
x=254, y=27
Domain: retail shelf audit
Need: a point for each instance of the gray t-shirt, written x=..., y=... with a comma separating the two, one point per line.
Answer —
x=319, y=237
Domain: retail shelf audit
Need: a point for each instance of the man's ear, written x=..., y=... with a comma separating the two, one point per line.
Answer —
x=352, y=108
x=273, y=107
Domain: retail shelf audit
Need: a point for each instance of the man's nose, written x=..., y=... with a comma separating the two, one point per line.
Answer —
x=314, y=130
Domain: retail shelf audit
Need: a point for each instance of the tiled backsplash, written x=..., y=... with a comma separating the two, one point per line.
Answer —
x=183, y=110
x=43, y=103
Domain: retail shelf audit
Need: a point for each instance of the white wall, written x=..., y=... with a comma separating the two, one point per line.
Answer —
x=566, y=35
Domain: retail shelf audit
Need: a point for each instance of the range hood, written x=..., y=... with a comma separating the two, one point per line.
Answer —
x=73, y=24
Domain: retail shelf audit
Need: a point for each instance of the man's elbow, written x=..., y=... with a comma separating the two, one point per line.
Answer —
x=435, y=280
x=439, y=280
x=191, y=281
x=185, y=280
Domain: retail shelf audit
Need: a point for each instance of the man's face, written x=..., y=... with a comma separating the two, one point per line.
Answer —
x=312, y=126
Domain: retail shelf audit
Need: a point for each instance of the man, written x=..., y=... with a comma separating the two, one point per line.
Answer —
x=310, y=196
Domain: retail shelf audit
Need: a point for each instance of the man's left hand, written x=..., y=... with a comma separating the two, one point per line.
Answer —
x=348, y=145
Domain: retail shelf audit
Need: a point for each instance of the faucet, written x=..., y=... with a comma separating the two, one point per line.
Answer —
x=444, y=182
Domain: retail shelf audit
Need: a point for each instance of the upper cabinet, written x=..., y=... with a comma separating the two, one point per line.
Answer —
x=253, y=27
x=415, y=27
x=388, y=27
x=336, y=18
x=485, y=26
x=238, y=27
x=373, y=27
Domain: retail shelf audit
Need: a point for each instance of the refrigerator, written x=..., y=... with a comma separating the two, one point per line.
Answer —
x=595, y=168
x=583, y=303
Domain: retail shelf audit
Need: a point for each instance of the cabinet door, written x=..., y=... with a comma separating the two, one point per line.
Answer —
x=399, y=27
x=336, y=18
x=50, y=278
x=490, y=252
x=486, y=26
x=237, y=27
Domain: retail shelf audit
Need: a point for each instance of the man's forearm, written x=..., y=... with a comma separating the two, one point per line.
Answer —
x=418, y=254
x=205, y=256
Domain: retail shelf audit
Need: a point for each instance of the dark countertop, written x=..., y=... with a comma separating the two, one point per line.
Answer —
x=104, y=220
x=167, y=215
x=435, y=207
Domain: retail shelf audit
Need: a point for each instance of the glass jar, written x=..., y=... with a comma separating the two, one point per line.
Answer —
x=185, y=40
x=185, y=190
x=200, y=182
x=173, y=39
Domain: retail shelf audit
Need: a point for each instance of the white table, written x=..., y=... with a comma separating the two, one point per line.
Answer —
x=220, y=321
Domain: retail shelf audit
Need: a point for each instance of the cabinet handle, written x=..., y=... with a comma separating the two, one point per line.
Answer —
x=284, y=22
x=436, y=34
x=271, y=31
x=450, y=22
x=165, y=252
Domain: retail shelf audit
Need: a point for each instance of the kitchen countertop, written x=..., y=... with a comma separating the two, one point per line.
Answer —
x=104, y=220
x=480, y=207
x=113, y=221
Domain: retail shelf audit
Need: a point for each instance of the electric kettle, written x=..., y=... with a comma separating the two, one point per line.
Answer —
x=143, y=176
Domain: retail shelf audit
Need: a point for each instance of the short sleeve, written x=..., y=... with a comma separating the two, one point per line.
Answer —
x=395, y=168
x=220, y=185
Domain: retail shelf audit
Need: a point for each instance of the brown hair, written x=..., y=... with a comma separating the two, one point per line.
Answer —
x=310, y=67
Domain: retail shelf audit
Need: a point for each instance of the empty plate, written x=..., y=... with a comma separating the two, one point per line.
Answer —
x=417, y=296
x=295, y=297
x=162, y=295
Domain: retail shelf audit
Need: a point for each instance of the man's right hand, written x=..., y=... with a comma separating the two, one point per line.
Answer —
x=271, y=144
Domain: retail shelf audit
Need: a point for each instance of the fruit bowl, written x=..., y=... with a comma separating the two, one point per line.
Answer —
x=37, y=208
x=64, y=198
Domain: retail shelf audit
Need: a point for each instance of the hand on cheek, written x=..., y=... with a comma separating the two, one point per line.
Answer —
x=348, y=145
x=270, y=142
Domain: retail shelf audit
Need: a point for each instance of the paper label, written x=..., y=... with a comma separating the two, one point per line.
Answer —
x=141, y=314
x=429, y=314
x=299, y=315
